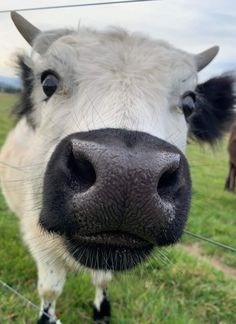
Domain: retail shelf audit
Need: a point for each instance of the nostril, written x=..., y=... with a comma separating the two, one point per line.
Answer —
x=168, y=182
x=82, y=172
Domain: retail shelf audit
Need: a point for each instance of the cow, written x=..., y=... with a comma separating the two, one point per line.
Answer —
x=95, y=166
x=230, y=180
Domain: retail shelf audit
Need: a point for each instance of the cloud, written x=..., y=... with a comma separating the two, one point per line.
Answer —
x=189, y=24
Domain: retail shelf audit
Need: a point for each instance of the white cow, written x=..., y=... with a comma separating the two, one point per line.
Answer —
x=94, y=167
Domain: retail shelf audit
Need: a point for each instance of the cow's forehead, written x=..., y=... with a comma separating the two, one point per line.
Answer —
x=115, y=51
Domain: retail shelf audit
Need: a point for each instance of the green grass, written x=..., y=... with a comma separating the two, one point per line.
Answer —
x=213, y=209
x=6, y=102
x=173, y=287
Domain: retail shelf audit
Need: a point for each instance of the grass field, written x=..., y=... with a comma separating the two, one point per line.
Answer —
x=174, y=287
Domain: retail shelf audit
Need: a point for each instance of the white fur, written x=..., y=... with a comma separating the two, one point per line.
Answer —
x=100, y=280
x=107, y=79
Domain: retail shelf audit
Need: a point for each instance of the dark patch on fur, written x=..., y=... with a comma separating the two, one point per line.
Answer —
x=25, y=105
x=44, y=319
x=103, y=315
x=214, y=109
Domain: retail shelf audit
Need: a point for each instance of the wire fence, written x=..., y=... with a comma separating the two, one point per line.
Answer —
x=50, y=317
x=25, y=299
x=206, y=239
x=187, y=232
x=91, y=4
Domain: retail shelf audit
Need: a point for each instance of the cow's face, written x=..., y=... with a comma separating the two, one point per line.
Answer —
x=111, y=80
x=111, y=112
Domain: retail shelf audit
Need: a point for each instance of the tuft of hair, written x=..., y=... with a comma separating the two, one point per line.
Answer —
x=215, y=109
x=25, y=106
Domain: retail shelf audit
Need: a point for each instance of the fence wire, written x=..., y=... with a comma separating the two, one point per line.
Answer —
x=25, y=299
x=91, y=4
x=197, y=236
x=29, y=302
x=203, y=238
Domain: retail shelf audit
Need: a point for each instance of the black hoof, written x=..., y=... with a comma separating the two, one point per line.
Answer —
x=103, y=315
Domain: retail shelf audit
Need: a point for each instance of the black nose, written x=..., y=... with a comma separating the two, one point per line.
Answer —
x=119, y=168
x=81, y=168
x=116, y=181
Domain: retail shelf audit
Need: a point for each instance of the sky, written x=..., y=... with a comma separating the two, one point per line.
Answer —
x=192, y=25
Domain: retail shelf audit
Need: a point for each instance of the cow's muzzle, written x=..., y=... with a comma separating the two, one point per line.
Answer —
x=115, y=194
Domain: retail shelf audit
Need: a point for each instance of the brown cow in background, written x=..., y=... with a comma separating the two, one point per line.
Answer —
x=230, y=181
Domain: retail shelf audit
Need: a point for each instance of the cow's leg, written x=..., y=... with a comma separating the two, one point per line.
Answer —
x=51, y=278
x=227, y=182
x=101, y=305
x=232, y=178
x=230, y=181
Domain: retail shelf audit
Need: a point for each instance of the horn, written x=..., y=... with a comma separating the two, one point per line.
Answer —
x=204, y=58
x=27, y=30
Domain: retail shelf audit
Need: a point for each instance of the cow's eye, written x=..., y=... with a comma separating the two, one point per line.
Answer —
x=188, y=103
x=49, y=83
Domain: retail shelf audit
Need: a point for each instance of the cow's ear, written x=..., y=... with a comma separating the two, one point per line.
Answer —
x=214, y=108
